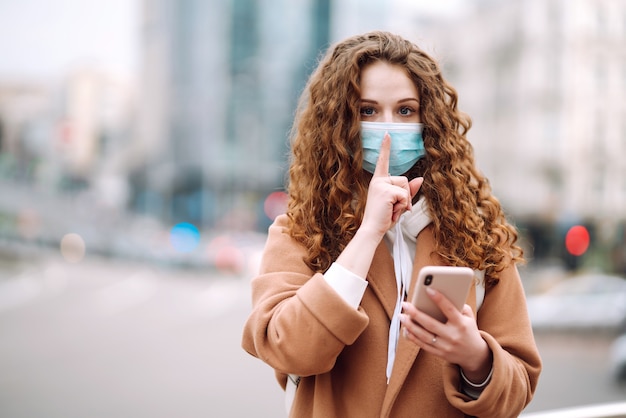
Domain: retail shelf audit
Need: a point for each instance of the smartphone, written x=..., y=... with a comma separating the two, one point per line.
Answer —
x=453, y=282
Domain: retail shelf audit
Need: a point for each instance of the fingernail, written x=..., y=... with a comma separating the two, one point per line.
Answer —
x=431, y=291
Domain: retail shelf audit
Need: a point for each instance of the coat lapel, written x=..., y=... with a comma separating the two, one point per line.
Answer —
x=381, y=278
x=407, y=351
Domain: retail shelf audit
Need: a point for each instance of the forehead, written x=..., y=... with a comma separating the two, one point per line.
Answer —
x=382, y=78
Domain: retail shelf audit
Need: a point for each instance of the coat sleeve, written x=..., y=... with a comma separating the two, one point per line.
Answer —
x=505, y=325
x=298, y=323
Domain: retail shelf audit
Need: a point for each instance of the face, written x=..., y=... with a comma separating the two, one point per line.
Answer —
x=388, y=94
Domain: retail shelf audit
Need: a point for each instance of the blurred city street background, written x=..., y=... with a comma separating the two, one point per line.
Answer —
x=143, y=153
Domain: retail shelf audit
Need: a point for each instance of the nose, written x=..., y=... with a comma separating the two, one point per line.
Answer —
x=387, y=116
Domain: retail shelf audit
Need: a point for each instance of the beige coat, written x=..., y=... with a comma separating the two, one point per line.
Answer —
x=300, y=325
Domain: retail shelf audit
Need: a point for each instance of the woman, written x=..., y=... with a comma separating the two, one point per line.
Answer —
x=382, y=183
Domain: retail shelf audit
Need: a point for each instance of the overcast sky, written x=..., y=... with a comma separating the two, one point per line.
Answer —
x=47, y=38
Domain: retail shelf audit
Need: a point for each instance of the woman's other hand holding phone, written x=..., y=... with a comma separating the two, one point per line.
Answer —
x=458, y=341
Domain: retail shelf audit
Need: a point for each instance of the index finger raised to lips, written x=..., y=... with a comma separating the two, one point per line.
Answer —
x=382, y=165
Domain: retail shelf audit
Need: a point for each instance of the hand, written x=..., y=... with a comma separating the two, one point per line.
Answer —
x=458, y=341
x=388, y=197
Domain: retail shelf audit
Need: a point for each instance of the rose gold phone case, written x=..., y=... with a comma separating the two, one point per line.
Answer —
x=453, y=282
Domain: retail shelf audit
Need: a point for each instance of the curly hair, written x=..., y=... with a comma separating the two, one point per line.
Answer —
x=328, y=186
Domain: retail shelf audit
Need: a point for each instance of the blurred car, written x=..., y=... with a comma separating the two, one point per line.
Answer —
x=618, y=358
x=586, y=302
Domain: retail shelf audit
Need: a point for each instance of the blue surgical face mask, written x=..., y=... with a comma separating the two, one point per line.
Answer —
x=407, y=145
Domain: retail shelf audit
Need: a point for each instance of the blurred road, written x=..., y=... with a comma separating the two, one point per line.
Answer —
x=106, y=339
x=576, y=372
x=114, y=339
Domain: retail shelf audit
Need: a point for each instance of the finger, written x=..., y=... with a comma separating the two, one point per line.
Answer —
x=402, y=204
x=447, y=307
x=397, y=212
x=420, y=335
x=415, y=185
x=411, y=188
x=422, y=319
x=382, y=165
x=409, y=308
x=467, y=311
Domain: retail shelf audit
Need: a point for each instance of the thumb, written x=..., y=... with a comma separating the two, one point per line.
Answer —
x=415, y=185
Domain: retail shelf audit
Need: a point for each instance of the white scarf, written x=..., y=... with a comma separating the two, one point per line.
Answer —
x=403, y=237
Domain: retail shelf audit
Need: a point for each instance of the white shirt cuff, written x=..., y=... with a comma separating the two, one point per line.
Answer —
x=347, y=284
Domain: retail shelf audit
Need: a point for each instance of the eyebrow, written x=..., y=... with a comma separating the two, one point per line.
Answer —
x=408, y=99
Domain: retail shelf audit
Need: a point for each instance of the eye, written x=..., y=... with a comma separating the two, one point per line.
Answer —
x=406, y=111
x=367, y=111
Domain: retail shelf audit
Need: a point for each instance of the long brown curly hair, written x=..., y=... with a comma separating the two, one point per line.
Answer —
x=328, y=186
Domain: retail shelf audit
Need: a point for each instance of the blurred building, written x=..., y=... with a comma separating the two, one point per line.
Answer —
x=63, y=162
x=24, y=120
x=60, y=135
x=220, y=81
x=544, y=82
